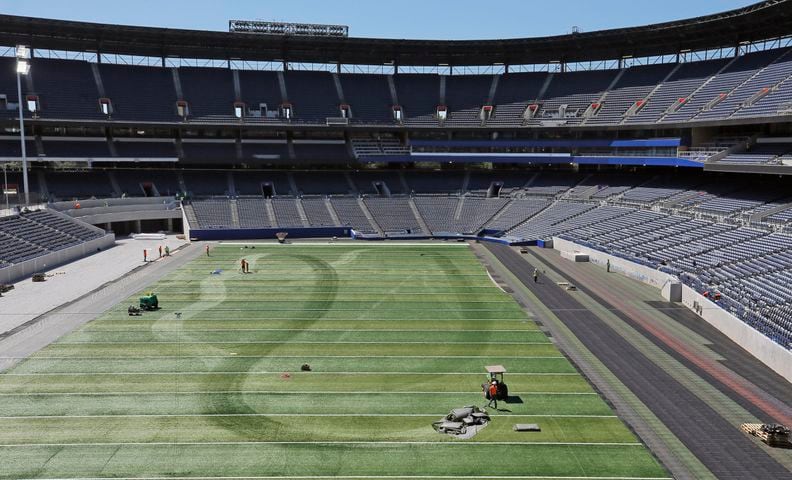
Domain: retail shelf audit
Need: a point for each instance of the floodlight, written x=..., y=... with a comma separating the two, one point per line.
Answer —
x=22, y=52
x=23, y=67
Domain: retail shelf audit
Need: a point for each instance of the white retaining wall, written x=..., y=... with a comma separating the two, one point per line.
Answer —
x=765, y=350
x=668, y=284
x=49, y=261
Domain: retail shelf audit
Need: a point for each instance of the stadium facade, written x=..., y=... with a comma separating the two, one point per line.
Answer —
x=631, y=141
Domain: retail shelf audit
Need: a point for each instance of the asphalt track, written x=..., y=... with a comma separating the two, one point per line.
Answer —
x=719, y=445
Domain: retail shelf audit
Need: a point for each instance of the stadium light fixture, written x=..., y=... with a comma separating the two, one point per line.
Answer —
x=23, y=68
x=22, y=52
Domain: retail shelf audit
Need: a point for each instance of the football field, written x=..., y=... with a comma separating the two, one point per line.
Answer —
x=396, y=335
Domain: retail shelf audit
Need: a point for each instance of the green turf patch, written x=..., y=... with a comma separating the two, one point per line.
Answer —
x=395, y=335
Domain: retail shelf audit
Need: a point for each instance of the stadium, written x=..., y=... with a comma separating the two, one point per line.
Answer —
x=283, y=252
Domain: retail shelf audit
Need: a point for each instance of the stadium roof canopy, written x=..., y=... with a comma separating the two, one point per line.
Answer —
x=762, y=21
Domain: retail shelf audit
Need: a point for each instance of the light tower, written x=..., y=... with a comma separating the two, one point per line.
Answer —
x=23, y=68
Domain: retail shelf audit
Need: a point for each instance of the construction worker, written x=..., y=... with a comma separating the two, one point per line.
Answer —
x=167, y=251
x=492, y=390
x=536, y=275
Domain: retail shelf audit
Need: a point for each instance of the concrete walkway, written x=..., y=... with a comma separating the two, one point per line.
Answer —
x=101, y=282
x=69, y=282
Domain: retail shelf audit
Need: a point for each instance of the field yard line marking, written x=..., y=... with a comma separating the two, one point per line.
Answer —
x=274, y=392
x=356, y=330
x=94, y=374
x=364, y=477
x=201, y=415
x=138, y=357
x=495, y=283
x=347, y=245
x=275, y=342
x=299, y=319
x=318, y=442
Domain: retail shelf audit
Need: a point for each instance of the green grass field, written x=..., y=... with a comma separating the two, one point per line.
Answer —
x=397, y=335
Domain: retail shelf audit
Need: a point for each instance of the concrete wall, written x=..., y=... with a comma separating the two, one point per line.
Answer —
x=765, y=350
x=268, y=233
x=132, y=216
x=52, y=260
x=667, y=284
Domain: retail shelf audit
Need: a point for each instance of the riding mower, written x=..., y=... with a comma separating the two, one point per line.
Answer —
x=149, y=303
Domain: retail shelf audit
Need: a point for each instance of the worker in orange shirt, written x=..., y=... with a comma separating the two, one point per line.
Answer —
x=493, y=394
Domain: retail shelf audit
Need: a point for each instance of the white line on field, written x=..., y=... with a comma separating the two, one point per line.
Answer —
x=324, y=415
x=270, y=392
x=96, y=374
x=337, y=330
x=298, y=342
x=365, y=477
x=138, y=357
x=346, y=245
x=340, y=442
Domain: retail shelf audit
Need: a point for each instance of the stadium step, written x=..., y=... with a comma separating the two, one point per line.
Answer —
x=370, y=217
x=301, y=212
x=271, y=212
x=235, y=214
x=332, y=211
x=418, y=216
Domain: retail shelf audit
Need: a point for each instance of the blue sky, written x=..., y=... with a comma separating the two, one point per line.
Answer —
x=431, y=19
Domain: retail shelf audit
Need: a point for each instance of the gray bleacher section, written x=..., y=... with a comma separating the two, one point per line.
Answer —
x=257, y=89
x=33, y=234
x=686, y=80
x=324, y=184
x=286, y=213
x=393, y=215
x=140, y=93
x=66, y=89
x=514, y=93
x=465, y=95
x=419, y=96
x=759, y=154
x=209, y=93
x=213, y=214
x=253, y=213
x=317, y=213
x=250, y=182
x=766, y=77
x=369, y=98
x=313, y=96
x=450, y=182
x=576, y=90
x=516, y=212
x=465, y=215
x=634, y=85
x=205, y=182
x=79, y=184
x=131, y=182
x=722, y=84
x=351, y=215
x=551, y=184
